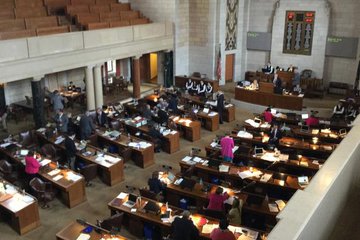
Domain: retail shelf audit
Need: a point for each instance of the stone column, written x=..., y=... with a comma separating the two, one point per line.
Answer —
x=99, y=98
x=136, y=77
x=2, y=96
x=38, y=102
x=160, y=66
x=89, y=83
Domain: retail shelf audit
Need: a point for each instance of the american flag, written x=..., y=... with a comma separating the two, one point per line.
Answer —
x=218, y=67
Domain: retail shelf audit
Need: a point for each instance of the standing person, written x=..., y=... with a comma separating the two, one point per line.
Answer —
x=234, y=215
x=32, y=166
x=275, y=134
x=183, y=228
x=209, y=88
x=216, y=200
x=278, y=86
x=222, y=233
x=70, y=150
x=227, y=145
x=173, y=103
x=86, y=126
x=57, y=101
x=268, y=117
x=155, y=185
x=62, y=121
x=101, y=118
x=220, y=106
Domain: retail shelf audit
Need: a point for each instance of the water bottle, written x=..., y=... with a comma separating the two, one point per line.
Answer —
x=201, y=182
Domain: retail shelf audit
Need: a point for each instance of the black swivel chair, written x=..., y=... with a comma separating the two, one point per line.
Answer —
x=89, y=172
x=7, y=171
x=144, y=192
x=42, y=191
x=113, y=223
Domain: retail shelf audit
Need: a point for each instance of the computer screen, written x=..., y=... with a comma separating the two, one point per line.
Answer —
x=304, y=116
x=132, y=197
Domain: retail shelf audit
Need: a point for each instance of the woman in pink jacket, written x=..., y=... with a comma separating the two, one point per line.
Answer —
x=227, y=145
x=32, y=166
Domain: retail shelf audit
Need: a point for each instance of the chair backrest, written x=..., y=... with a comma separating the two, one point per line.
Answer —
x=37, y=185
x=89, y=171
x=113, y=223
x=214, y=213
x=189, y=172
x=49, y=150
x=5, y=167
x=144, y=192
x=126, y=154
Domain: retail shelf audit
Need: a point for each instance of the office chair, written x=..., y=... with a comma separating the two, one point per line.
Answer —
x=49, y=151
x=144, y=192
x=115, y=125
x=7, y=171
x=42, y=191
x=113, y=223
x=89, y=172
x=213, y=213
x=126, y=154
x=27, y=140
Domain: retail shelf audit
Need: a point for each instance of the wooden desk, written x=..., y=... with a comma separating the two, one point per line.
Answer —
x=286, y=78
x=325, y=136
x=170, y=142
x=143, y=157
x=72, y=97
x=180, y=81
x=190, y=129
x=274, y=188
x=269, y=99
x=22, y=216
x=306, y=147
x=110, y=173
x=73, y=230
x=134, y=220
x=229, y=110
x=72, y=192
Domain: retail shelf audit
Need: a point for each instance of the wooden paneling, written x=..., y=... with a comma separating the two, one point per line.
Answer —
x=229, y=67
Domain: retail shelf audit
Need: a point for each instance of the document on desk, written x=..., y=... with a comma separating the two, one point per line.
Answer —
x=208, y=228
x=197, y=159
x=235, y=149
x=266, y=177
x=74, y=177
x=268, y=156
x=245, y=174
x=281, y=204
x=59, y=140
x=58, y=177
x=273, y=207
x=122, y=195
x=212, y=114
x=214, y=144
x=83, y=236
x=54, y=172
x=45, y=162
x=173, y=132
x=111, y=159
x=224, y=168
x=187, y=159
x=4, y=145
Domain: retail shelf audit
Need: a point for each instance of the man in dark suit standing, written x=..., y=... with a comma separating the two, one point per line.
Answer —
x=70, y=150
x=220, y=106
x=184, y=228
x=101, y=118
x=86, y=126
x=61, y=120
x=275, y=134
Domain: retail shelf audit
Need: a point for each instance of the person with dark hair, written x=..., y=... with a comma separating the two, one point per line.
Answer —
x=156, y=136
x=57, y=101
x=312, y=121
x=3, y=116
x=173, y=104
x=101, y=118
x=209, y=88
x=220, y=106
x=183, y=228
x=275, y=134
x=222, y=233
x=278, y=86
x=71, y=86
x=201, y=89
x=86, y=126
x=339, y=110
x=189, y=84
x=155, y=185
x=216, y=200
x=234, y=214
x=70, y=150
x=268, y=117
x=32, y=166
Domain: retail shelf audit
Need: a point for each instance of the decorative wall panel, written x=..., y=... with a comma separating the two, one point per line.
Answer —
x=231, y=24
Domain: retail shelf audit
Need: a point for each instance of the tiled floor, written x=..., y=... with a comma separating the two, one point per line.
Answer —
x=98, y=195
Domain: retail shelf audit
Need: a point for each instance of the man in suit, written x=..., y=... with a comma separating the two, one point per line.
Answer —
x=184, y=228
x=163, y=116
x=86, y=126
x=146, y=113
x=62, y=121
x=156, y=136
x=57, y=101
x=101, y=118
x=278, y=86
x=173, y=104
x=70, y=150
x=275, y=134
x=220, y=106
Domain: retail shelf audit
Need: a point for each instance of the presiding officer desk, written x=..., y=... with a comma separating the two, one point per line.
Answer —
x=110, y=167
x=180, y=81
x=18, y=209
x=268, y=98
x=71, y=185
x=134, y=220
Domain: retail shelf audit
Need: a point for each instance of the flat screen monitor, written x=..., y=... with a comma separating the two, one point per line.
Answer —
x=258, y=151
x=304, y=116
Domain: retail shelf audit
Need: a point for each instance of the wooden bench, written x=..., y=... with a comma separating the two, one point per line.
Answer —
x=139, y=21
x=28, y=3
x=119, y=24
x=30, y=12
x=105, y=1
x=7, y=13
x=82, y=2
x=52, y=30
x=84, y=19
x=12, y=25
x=7, y=4
x=120, y=7
x=77, y=9
x=110, y=17
x=100, y=25
x=100, y=8
x=51, y=21
x=56, y=6
x=127, y=15
x=17, y=34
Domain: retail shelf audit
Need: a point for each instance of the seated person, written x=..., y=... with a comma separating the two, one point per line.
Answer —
x=268, y=117
x=234, y=214
x=312, y=121
x=201, y=89
x=163, y=116
x=352, y=112
x=209, y=88
x=194, y=88
x=339, y=110
x=278, y=86
x=222, y=232
x=155, y=185
x=71, y=87
x=146, y=113
x=268, y=69
x=156, y=136
x=162, y=104
x=254, y=85
x=188, y=86
x=297, y=89
x=216, y=200
x=275, y=134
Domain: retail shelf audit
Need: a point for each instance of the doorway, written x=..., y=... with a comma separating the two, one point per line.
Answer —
x=229, y=67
